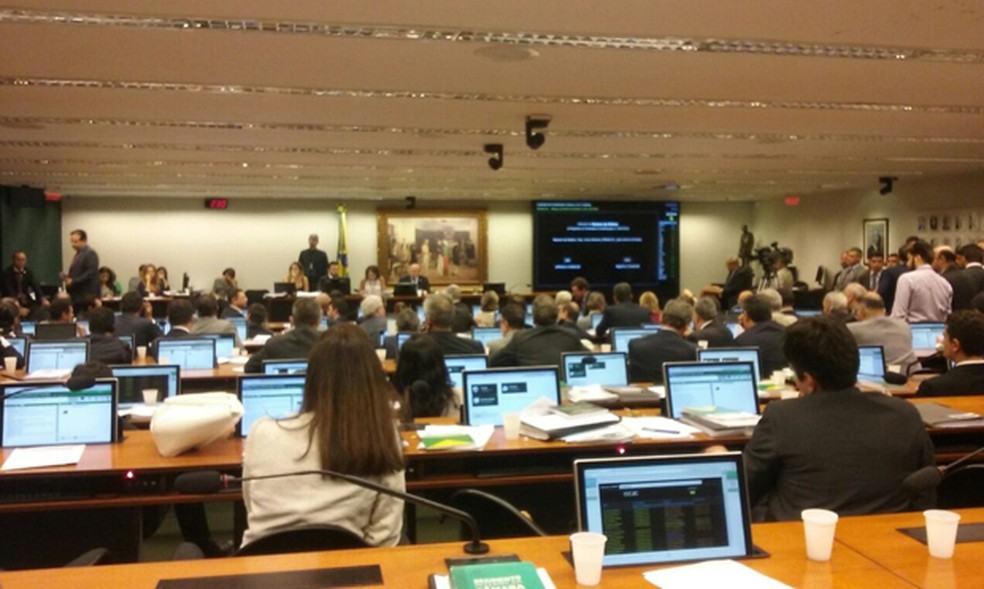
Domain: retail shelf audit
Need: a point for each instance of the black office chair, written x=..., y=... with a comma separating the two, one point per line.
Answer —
x=311, y=538
x=496, y=517
x=963, y=488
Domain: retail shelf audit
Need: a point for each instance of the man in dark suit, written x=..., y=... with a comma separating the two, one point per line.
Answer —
x=963, y=344
x=580, y=289
x=238, y=303
x=439, y=314
x=104, y=346
x=964, y=285
x=761, y=332
x=305, y=316
x=313, y=261
x=82, y=278
x=18, y=281
x=739, y=279
x=136, y=319
x=834, y=447
x=647, y=354
x=624, y=313
x=708, y=326
x=969, y=258
x=541, y=345
x=181, y=318
x=414, y=277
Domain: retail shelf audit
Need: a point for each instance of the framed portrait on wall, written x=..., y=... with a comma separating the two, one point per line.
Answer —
x=875, y=233
x=450, y=245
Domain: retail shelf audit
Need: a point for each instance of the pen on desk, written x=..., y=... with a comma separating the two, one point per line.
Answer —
x=661, y=431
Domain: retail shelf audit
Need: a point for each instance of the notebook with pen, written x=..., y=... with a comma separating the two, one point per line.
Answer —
x=664, y=509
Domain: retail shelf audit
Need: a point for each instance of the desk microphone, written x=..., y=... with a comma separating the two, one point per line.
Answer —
x=207, y=482
x=929, y=477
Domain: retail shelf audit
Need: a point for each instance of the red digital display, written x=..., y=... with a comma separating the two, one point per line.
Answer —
x=220, y=204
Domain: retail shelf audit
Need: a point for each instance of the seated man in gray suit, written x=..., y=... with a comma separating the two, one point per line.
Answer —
x=305, y=316
x=541, y=345
x=209, y=323
x=834, y=447
x=669, y=344
x=875, y=328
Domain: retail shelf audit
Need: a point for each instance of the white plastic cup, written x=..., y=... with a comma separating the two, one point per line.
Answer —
x=510, y=425
x=941, y=532
x=150, y=396
x=381, y=354
x=819, y=526
x=605, y=348
x=10, y=365
x=588, y=549
x=141, y=352
x=778, y=378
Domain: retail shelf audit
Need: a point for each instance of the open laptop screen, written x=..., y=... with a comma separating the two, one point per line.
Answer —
x=297, y=366
x=63, y=356
x=187, y=352
x=486, y=334
x=224, y=344
x=240, y=323
x=872, y=363
x=490, y=393
x=48, y=414
x=621, y=336
x=727, y=385
x=457, y=364
x=133, y=380
x=750, y=354
x=583, y=369
x=19, y=344
x=924, y=336
x=269, y=396
x=657, y=510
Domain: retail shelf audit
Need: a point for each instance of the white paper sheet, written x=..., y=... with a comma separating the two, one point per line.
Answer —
x=712, y=573
x=23, y=458
x=659, y=427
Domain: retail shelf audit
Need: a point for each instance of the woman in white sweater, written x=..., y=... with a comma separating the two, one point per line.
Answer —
x=346, y=424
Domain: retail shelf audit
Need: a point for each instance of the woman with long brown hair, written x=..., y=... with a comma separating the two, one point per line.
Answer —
x=347, y=424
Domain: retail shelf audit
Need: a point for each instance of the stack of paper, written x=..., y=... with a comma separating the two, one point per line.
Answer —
x=455, y=437
x=712, y=573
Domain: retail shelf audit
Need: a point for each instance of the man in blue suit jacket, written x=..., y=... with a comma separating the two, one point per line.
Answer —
x=82, y=278
x=624, y=313
x=647, y=354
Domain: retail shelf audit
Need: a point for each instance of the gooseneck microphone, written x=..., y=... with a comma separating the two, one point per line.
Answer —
x=207, y=482
x=929, y=477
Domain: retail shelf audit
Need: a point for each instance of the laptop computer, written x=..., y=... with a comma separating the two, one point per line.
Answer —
x=749, y=354
x=28, y=327
x=292, y=366
x=621, y=336
x=585, y=368
x=133, y=380
x=264, y=395
x=664, y=509
x=404, y=289
x=459, y=363
x=284, y=288
x=55, y=331
x=55, y=359
x=871, y=368
x=190, y=353
x=49, y=414
x=19, y=344
x=486, y=334
x=240, y=323
x=925, y=336
x=726, y=385
x=130, y=342
x=490, y=393
x=225, y=346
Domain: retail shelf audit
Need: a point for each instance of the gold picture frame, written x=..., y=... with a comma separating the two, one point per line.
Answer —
x=451, y=246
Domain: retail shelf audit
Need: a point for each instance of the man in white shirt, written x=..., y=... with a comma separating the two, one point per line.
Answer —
x=922, y=294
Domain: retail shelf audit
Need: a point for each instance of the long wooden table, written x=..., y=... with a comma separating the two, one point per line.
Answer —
x=875, y=562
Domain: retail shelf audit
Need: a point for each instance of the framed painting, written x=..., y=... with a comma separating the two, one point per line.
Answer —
x=449, y=245
x=875, y=237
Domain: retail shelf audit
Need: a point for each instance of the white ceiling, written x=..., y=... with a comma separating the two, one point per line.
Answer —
x=384, y=99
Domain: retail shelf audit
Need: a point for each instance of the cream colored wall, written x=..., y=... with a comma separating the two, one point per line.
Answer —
x=260, y=238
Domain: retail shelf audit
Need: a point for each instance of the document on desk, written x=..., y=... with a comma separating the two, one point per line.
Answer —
x=455, y=437
x=712, y=573
x=24, y=458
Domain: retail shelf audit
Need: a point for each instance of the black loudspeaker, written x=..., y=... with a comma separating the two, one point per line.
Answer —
x=26, y=197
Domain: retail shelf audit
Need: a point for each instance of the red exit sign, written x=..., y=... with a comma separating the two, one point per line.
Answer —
x=219, y=204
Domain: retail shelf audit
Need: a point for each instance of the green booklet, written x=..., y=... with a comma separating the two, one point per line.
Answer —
x=499, y=575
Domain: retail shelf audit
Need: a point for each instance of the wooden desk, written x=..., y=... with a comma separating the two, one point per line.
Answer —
x=877, y=538
x=409, y=566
